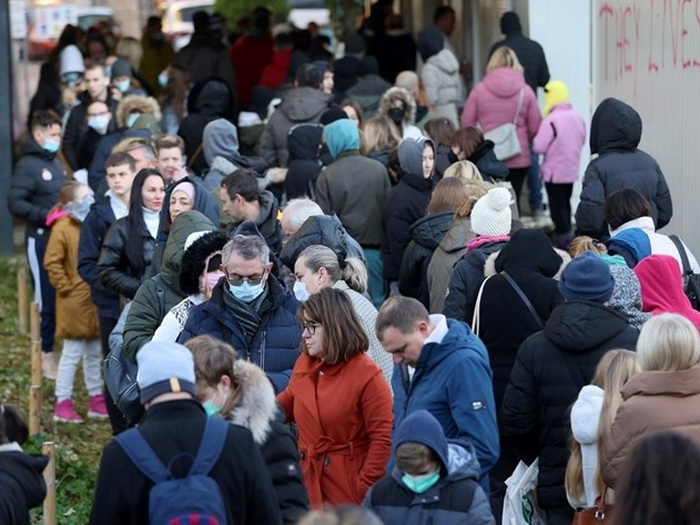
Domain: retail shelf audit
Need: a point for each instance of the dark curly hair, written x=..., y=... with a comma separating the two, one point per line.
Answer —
x=194, y=258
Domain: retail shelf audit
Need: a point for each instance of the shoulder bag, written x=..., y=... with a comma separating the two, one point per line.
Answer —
x=505, y=136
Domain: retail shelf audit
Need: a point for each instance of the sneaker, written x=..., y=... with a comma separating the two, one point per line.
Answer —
x=49, y=367
x=97, y=407
x=65, y=412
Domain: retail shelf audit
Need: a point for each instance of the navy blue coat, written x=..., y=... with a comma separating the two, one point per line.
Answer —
x=275, y=347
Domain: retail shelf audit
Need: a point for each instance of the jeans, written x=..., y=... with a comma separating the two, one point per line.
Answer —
x=116, y=418
x=44, y=292
x=73, y=350
x=377, y=284
x=534, y=183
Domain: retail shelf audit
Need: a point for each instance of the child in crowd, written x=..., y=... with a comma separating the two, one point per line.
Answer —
x=76, y=315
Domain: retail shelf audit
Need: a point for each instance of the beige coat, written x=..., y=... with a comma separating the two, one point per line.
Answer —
x=652, y=401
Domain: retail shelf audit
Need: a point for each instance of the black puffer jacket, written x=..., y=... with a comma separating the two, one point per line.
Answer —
x=466, y=278
x=426, y=234
x=529, y=259
x=550, y=368
x=616, y=129
x=406, y=203
x=326, y=230
x=36, y=183
x=116, y=272
x=77, y=127
x=208, y=100
x=484, y=158
x=22, y=485
x=303, y=143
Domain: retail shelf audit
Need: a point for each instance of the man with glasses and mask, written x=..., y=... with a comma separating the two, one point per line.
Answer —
x=251, y=309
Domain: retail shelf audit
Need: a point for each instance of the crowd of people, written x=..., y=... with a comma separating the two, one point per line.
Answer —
x=319, y=267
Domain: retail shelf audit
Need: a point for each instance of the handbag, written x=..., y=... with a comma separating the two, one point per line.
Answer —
x=594, y=515
x=691, y=281
x=505, y=136
x=520, y=501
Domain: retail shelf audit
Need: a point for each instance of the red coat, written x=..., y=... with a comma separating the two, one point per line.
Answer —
x=277, y=71
x=344, y=416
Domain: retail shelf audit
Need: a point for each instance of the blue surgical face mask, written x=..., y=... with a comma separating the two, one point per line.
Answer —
x=79, y=210
x=51, y=145
x=131, y=118
x=163, y=79
x=99, y=123
x=247, y=292
x=123, y=85
x=419, y=484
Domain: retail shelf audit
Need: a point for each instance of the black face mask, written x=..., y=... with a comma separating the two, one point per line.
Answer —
x=452, y=157
x=397, y=115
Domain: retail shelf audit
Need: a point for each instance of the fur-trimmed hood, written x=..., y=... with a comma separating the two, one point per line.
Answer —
x=147, y=105
x=402, y=94
x=257, y=407
x=196, y=256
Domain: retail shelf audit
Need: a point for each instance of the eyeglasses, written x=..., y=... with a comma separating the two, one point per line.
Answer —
x=310, y=327
x=254, y=280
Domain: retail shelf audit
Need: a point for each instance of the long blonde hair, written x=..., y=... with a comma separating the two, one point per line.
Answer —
x=504, y=57
x=614, y=369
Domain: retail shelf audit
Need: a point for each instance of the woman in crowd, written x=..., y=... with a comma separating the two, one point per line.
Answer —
x=468, y=143
x=239, y=392
x=379, y=137
x=399, y=106
x=440, y=73
x=440, y=130
x=340, y=403
x=354, y=112
x=319, y=267
x=665, y=395
x=592, y=416
x=127, y=250
x=426, y=234
x=501, y=98
x=175, y=83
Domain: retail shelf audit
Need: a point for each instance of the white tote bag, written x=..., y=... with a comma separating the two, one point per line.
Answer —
x=505, y=136
x=520, y=502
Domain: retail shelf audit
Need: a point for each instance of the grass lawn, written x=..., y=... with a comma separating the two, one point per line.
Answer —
x=78, y=446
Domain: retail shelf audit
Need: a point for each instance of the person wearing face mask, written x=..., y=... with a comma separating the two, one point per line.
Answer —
x=251, y=309
x=319, y=267
x=400, y=107
x=157, y=54
x=238, y=392
x=123, y=82
x=76, y=315
x=407, y=202
x=340, y=403
x=200, y=270
x=100, y=122
x=36, y=183
x=430, y=468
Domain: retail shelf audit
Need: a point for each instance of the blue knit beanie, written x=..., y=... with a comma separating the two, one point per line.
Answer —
x=421, y=427
x=587, y=278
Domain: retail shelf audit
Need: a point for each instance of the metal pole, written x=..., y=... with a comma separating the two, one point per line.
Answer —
x=6, y=140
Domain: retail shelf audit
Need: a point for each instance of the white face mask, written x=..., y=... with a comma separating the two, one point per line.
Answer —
x=300, y=291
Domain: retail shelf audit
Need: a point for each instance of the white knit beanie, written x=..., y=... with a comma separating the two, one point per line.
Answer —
x=491, y=214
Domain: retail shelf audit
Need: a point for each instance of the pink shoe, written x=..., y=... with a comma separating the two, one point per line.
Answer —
x=97, y=407
x=65, y=412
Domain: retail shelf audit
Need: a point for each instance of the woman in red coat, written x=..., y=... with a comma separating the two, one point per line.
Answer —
x=340, y=402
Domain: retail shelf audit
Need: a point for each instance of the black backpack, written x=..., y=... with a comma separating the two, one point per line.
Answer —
x=691, y=281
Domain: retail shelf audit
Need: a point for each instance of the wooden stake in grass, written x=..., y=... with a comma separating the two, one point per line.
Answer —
x=49, y=449
x=22, y=299
x=35, y=388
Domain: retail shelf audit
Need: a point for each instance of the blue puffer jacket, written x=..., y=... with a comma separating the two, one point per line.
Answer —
x=452, y=381
x=276, y=345
x=92, y=234
x=455, y=499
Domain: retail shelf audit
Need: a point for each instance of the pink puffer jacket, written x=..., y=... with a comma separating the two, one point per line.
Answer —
x=560, y=139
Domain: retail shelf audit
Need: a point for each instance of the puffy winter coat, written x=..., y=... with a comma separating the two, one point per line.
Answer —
x=76, y=315
x=484, y=158
x=616, y=130
x=550, y=369
x=652, y=400
x=455, y=499
x=585, y=417
x=440, y=77
x=157, y=295
x=494, y=101
x=344, y=441
x=560, y=138
x=303, y=104
x=275, y=347
x=36, y=183
x=22, y=485
x=426, y=234
x=303, y=143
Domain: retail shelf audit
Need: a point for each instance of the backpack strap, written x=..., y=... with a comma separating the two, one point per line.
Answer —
x=687, y=270
x=524, y=299
x=213, y=440
x=142, y=456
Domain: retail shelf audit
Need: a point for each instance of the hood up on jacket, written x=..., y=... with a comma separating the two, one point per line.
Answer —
x=627, y=296
x=211, y=97
x=428, y=231
x=430, y=42
x=504, y=82
x=411, y=155
x=26, y=483
x=204, y=202
x=195, y=258
x=138, y=103
x=462, y=463
x=585, y=414
x=219, y=139
x=398, y=93
x=529, y=249
x=615, y=126
x=304, y=104
x=342, y=135
x=662, y=288
x=185, y=224
x=304, y=141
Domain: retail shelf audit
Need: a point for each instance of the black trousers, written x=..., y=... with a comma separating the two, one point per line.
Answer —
x=560, y=206
x=517, y=176
x=44, y=292
x=116, y=418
